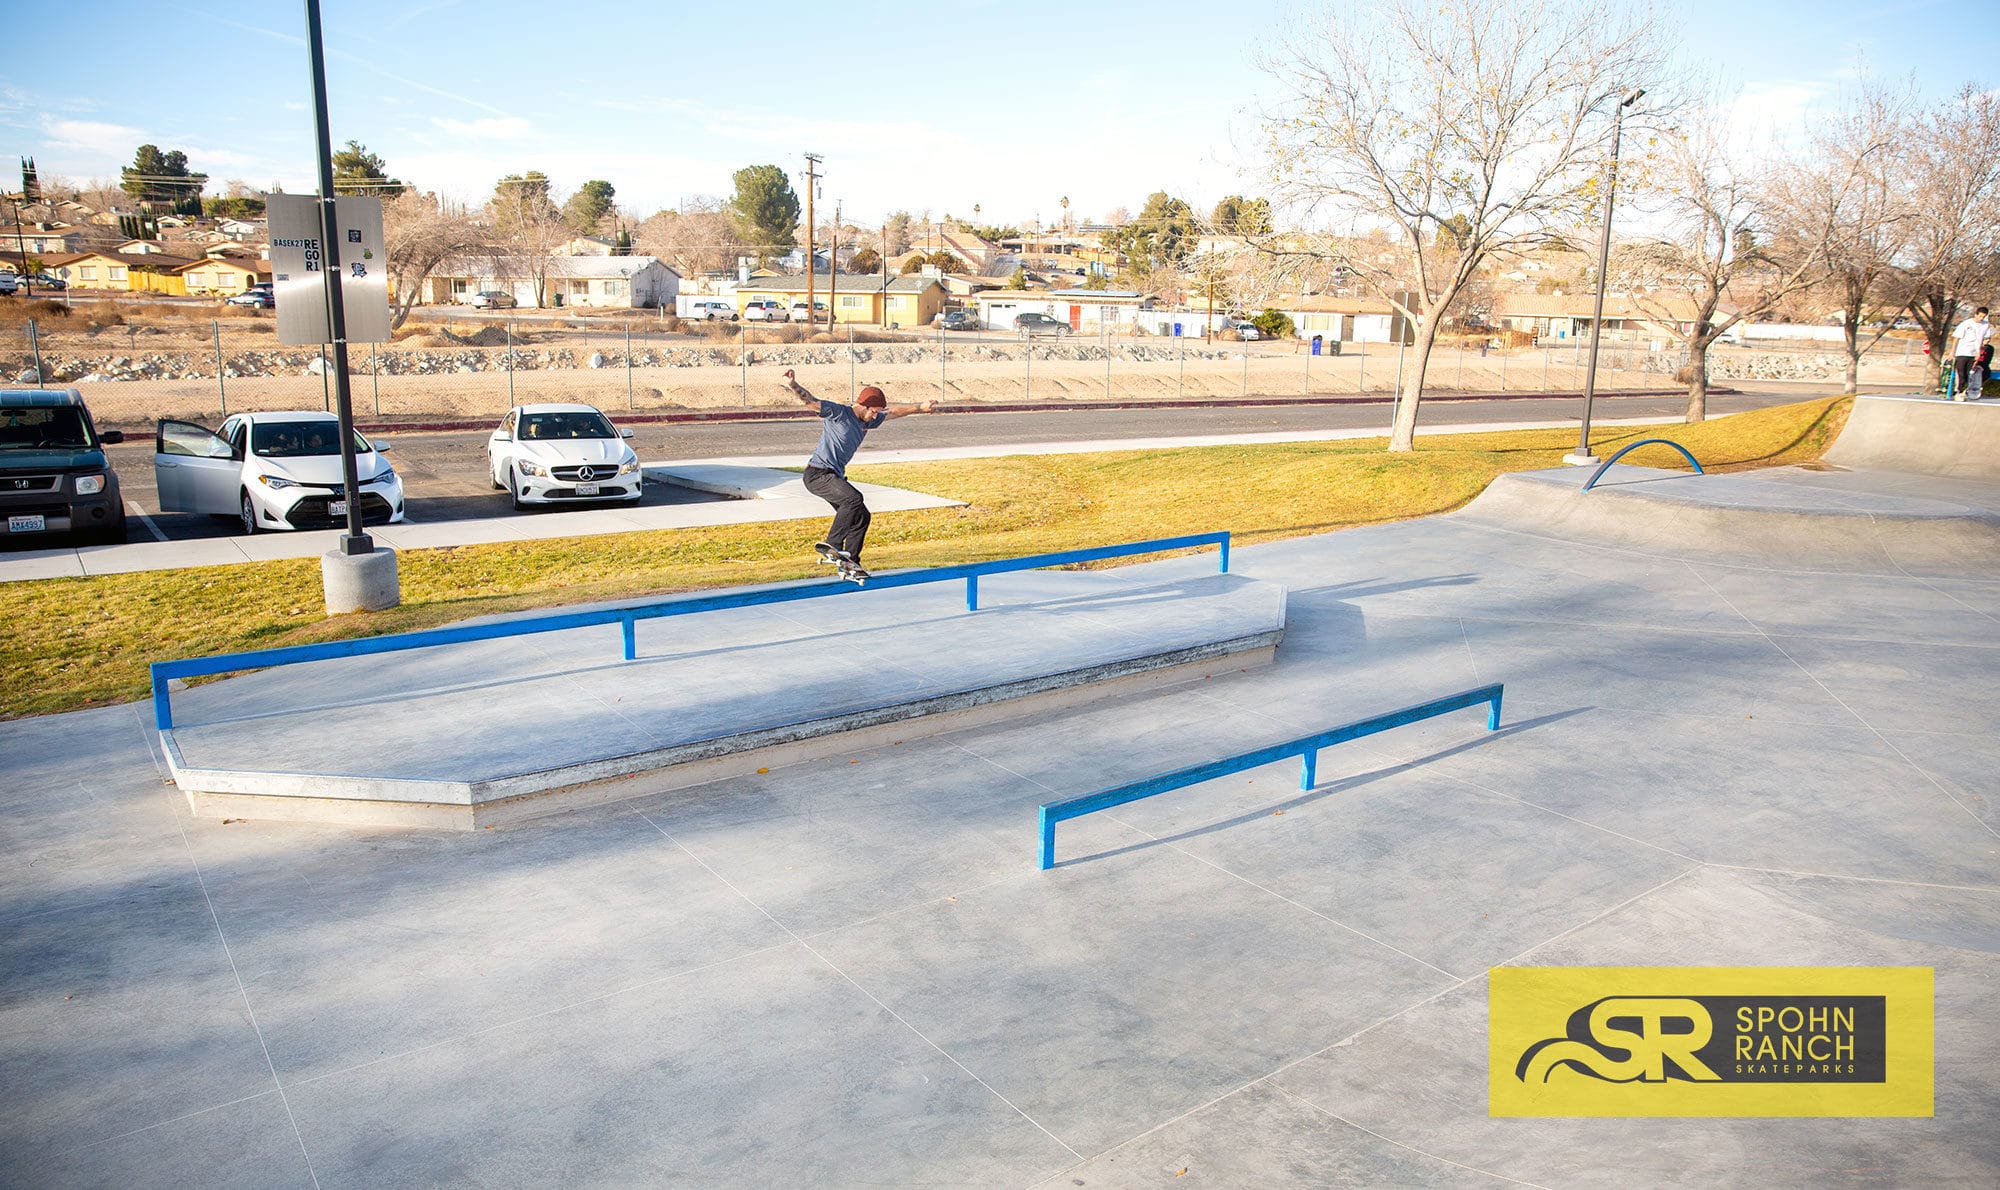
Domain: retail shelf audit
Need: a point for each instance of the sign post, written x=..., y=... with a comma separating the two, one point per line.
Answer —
x=356, y=576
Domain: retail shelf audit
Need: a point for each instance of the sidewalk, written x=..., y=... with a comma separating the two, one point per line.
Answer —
x=759, y=497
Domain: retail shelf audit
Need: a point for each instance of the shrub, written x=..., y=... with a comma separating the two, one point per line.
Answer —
x=1272, y=324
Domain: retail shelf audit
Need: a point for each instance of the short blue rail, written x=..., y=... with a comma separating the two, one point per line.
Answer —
x=1305, y=747
x=1606, y=464
x=628, y=617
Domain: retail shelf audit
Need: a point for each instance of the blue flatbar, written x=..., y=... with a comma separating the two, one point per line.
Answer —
x=1305, y=747
x=627, y=618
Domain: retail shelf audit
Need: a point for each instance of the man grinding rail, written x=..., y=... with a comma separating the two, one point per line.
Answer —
x=841, y=430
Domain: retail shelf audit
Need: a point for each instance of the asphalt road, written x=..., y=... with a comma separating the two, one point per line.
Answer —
x=444, y=473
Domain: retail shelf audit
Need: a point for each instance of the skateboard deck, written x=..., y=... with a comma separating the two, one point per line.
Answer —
x=853, y=574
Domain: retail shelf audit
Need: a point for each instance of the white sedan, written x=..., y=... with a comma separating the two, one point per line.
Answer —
x=272, y=471
x=560, y=454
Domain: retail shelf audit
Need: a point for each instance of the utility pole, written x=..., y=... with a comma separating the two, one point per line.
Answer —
x=833, y=270
x=812, y=184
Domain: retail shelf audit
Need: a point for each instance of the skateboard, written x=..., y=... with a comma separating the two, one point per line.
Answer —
x=852, y=572
x=827, y=553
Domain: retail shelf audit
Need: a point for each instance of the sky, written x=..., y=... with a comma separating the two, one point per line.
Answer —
x=935, y=106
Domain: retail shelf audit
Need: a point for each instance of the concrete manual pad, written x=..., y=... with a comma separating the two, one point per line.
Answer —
x=743, y=482
x=435, y=750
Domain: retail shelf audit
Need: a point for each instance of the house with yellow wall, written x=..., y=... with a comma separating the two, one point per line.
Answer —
x=853, y=297
x=99, y=270
x=222, y=276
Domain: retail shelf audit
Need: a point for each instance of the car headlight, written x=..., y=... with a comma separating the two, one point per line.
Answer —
x=89, y=485
x=276, y=481
x=530, y=467
x=388, y=473
x=628, y=466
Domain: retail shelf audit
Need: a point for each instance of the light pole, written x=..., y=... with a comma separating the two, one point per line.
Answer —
x=1583, y=457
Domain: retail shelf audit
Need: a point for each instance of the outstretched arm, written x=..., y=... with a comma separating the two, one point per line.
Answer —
x=907, y=410
x=799, y=390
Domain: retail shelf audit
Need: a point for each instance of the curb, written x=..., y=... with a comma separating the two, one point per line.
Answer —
x=698, y=417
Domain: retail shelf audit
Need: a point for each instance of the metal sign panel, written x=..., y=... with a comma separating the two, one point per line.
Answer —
x=298, y=269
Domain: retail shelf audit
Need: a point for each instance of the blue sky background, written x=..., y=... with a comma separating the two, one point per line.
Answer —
x=922, y=106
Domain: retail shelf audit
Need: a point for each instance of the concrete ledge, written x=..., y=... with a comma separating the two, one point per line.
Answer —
x=410, y=804
x=456, y=756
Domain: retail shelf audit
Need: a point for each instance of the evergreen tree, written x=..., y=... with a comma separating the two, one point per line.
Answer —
x=764, y=209
x=357, y=171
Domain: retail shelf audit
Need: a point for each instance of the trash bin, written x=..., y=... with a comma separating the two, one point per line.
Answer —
x=1316, y=344
x=1333, y=346
x=1177, y=330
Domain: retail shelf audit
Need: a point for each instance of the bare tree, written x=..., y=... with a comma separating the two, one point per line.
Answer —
x=530, y=229
x=420, y=233
x=1951, y=161
x=1490, y=118
x=1714, y=245
x=1850, y=190
x=698, y=238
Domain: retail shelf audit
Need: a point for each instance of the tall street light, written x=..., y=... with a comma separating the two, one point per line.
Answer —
x=1583, y=457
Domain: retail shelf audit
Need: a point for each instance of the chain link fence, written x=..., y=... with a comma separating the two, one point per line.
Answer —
x=463, y=370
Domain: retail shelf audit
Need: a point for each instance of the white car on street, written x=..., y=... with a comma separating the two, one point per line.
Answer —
x=561, y=454
x=272, y=471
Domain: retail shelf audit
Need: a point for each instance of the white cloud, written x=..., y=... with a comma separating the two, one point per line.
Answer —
x=490, y=128
x=115, y=140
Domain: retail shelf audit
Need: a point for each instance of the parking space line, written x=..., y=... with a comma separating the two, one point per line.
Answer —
x=132, y=509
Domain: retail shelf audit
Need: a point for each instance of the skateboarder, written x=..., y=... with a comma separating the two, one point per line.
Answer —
x=841, y=431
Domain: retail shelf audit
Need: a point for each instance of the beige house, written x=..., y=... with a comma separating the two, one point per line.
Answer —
x=854, y=297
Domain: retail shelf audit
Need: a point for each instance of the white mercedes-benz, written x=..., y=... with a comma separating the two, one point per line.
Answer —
x=272, y=471
x=560, y=454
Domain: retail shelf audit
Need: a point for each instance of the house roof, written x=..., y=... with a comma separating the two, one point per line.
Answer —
x=572, y=267
x=1579, y=305
x=839, y=283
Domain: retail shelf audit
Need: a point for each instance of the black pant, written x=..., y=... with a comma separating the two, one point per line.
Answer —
x=850, y=514
x=1962, y=364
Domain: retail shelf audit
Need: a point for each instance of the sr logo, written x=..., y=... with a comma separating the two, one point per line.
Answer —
x=1625, y=1039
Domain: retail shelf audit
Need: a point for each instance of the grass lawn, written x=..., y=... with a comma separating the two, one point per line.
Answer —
x=77, y=642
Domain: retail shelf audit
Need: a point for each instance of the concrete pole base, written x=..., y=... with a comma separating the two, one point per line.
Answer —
x=1577, y=460
x=359, y=582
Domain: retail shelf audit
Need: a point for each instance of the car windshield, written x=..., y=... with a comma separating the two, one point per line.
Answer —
x=299, y=439
x=60, y=426
x=541, y=427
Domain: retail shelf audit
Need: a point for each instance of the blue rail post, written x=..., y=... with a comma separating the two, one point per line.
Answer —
x=1305, y=747
x=630, y=626
x=1224, y=567
x=972, y=592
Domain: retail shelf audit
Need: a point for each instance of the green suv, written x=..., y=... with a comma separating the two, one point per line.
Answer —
x=54, y=476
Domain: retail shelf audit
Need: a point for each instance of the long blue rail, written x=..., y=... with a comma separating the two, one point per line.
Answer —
x=1606, y=464
x=628, y=617
x=1305, y=747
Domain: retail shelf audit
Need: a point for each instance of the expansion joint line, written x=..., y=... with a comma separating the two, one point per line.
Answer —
x=816, y=953
x=1858, y=716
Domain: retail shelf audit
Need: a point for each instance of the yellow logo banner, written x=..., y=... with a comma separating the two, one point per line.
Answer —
x=1709, y=1041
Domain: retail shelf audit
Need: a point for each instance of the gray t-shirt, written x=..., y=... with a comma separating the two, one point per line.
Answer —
x=839, y=437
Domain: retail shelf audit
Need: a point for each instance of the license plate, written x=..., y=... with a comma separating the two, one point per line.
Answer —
x=336, y=508
x=586, y=489
x=26, y=524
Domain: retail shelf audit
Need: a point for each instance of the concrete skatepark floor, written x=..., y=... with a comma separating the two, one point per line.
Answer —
x=851, y=973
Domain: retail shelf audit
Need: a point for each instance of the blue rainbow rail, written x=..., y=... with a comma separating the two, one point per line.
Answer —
x=628, y=617
x=1606, y=464
x=1305, y=747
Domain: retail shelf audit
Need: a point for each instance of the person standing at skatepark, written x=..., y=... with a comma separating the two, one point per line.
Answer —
x=1966, y=341
x=841, y=431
